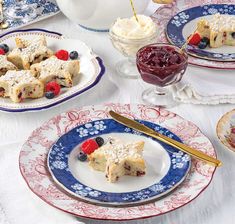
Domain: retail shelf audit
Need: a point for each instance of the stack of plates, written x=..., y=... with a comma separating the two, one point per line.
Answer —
x=49, y=164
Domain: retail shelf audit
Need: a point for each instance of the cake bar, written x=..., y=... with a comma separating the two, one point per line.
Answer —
x=19, y=85
x=116, y=159
x=54, y=69
x=29, y=52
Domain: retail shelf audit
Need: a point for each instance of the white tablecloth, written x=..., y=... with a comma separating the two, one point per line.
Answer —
x=215, y=205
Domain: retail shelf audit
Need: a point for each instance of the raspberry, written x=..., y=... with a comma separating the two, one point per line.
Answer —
x=53, y=87
x=2, y=51
x=62, y=55
x=89, y=146
x=194, y=39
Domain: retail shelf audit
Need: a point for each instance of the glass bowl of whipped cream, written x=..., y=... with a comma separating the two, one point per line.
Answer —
x=129, y=35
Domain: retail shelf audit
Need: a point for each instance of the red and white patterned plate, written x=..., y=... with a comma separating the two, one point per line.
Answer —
x=32, y=162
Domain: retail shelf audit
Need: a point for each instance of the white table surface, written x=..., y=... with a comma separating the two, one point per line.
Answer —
x=215, y=205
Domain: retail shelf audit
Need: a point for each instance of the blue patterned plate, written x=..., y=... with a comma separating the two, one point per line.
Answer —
x=184, y=23
x=166, y=167
x=44, y=8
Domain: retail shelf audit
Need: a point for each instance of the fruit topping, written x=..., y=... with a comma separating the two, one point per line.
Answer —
x=49, y=95
x=202, y=45
x=62, y=55
x=82, y=156
x=161, y=57
x=99, y=141
x=194, y=39
x=73, y=55
x=89, y=146
x=206, y=40
x=4, y=47
x=53, y=87
x=2, y=51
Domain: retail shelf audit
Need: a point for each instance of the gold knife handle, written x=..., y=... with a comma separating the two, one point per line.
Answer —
x=186, y=149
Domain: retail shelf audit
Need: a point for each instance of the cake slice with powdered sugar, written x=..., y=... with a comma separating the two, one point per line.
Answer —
x=117, y=158
x=28, y=52
x=19, y=85
x=54, y=69
x=220, y=30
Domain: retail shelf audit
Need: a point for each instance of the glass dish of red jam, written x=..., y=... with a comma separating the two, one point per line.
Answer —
x=161, y=65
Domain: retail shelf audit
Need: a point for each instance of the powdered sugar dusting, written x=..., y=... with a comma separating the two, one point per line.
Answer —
x=116, y=151
x=220, y=23
x=18, y=77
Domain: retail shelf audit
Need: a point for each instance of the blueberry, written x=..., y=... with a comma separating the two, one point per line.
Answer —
x=82, y=156
x=233, y=35
x=73, y=55
x=49, y=95
x=206, y=40
x=202, y=45
x=4, y=47
x=99, y=141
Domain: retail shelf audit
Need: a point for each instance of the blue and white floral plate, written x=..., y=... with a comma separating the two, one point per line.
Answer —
x=183, y=24
x=167, y=167
x=44, y=8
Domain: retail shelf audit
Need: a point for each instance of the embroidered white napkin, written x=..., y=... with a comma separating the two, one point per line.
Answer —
x=18, y=205
x=206, y=86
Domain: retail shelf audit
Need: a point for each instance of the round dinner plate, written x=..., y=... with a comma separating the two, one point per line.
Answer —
x=91, y=70
x=184, y=23
x=33, y=158
x=166, y=166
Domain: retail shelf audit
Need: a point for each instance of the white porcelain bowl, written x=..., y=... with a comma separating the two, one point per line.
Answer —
x=98, y=15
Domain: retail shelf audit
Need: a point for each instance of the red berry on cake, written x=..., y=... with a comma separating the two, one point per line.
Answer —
x=89, y=146
x=194, y=39
x=2, y=52
x=62, y=55
x=53, y=87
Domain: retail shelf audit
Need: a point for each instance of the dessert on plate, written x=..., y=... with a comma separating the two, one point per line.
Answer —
x=28, y=52
x=117, y=158
x=41, y=72
x=19, y=85
x=5, y=65
x=53, y=68
x=215, y=32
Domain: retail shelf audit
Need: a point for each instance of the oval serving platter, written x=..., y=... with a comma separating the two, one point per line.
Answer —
x=91, y=70
x=166, y=167
x=184, y=23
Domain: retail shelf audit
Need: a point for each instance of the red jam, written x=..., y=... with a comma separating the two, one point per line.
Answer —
x=161, y=64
